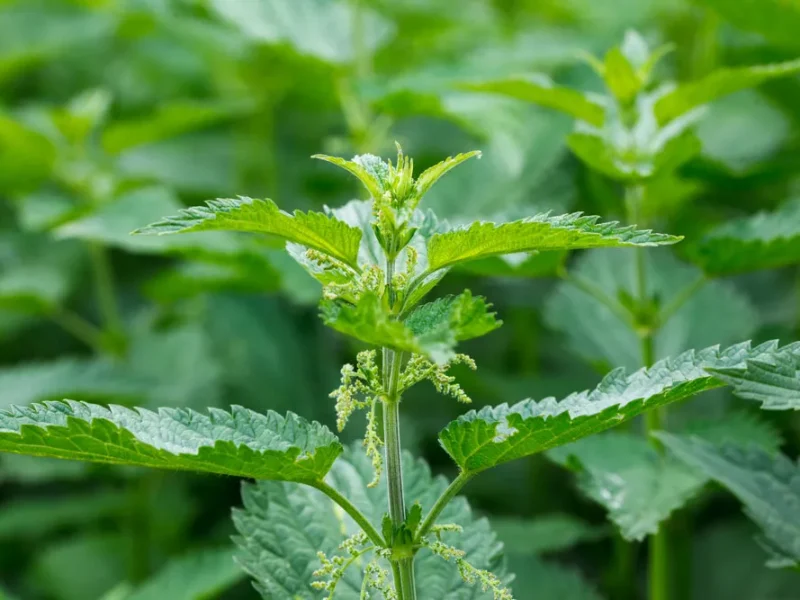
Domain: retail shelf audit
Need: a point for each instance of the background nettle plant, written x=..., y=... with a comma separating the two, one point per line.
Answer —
x=315, y=523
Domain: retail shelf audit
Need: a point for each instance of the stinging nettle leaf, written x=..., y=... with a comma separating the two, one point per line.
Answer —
x=432, y=329
x=768, y=486
x=479, y=440
x=763, y=241
x=312, y=229
x=773, y=380
x=683, y=98
x=538, y=233
x=540, y=90
x=241, y=443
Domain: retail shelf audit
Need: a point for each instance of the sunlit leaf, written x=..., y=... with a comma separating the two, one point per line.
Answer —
x=315, y=230
x=776, y=20
x=479, y=440
x=241, y=443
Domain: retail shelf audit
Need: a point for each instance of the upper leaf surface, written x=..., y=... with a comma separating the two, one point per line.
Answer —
x=540, y=232
x=768, y=486
x=540, y=90
x=242, y=443
x=722, y=82
x=312, y=229
x=762, y=241
x=494, y=435
x=433, y=329
x=773, y=380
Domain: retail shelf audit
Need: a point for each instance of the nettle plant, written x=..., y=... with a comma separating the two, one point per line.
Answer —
x=327, y=521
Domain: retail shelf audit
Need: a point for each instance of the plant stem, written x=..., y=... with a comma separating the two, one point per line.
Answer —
x=104, y=288
x=443, y=500
x=79, y=328
x=658, y=556
x=350, y=509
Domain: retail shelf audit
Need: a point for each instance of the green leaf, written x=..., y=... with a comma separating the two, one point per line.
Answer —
x=540, y=90
x=282, y=526
x=639, y=486
x=777, y=20
x=768, y=486
x=240, y=443
x=538, y=233
x=683, y=98
x=201, y=575
x=772, y=380
x=35, y=518
x=323, y=29
x=432, y=329
x=762, y=241
x=591, y=307
x=479, y=440
x=315, y=230
x=169, y=120
x=544, y=534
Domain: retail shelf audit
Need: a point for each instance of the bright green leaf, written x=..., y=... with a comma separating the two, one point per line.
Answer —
x=768, y=486
x=433, y=329
x=540, y=90
x=721, y=82
x=762, y=241
x=538, y=233
x=315, y=230
x=777, y=20
x=479, y=440
x=240, y=443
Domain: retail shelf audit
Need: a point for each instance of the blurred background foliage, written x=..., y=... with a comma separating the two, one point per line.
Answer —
x=114, y=113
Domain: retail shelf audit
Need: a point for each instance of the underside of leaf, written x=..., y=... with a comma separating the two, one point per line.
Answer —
x=312, y=229
x=773, y=380
x=541, y=232
x=242, y=443
x=494, y=435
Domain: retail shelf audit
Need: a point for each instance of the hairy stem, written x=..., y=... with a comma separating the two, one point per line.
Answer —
x=350, y=509
x=443, y=500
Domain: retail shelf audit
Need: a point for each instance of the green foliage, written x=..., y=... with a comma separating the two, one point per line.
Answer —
x=315, y=230
x=241, y=443
x=543, y=535
x=494, y=435
x=282, y=526
x=763, y=241
x=768, y=486
x=773, y=381
x=201, y=575
x=639, y=486
x=774, y=19
x=533, y=234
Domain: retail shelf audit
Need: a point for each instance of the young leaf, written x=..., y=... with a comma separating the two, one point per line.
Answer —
x=315, y=230
x=201, y=575
x=432, y=330
x=240, y=443
x=479, y=440
x=772, y=380
x=762, y=241
x=722, y=82
x=541, y=232
x=768, y=486
x=540, y=90
x=283, y=526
